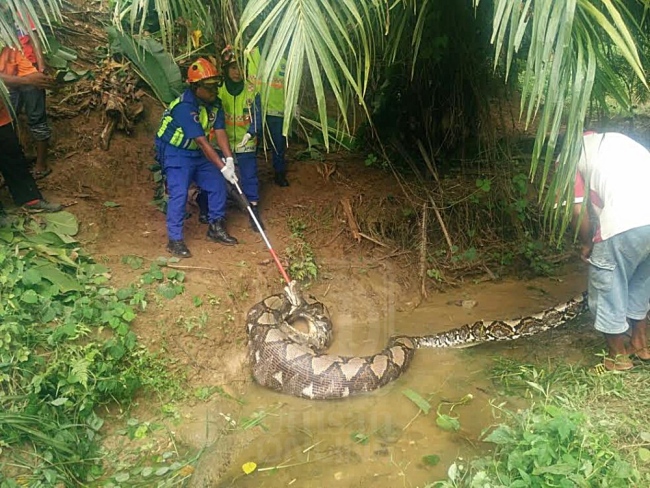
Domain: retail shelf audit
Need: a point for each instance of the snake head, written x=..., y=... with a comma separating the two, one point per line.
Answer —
x=294, y=293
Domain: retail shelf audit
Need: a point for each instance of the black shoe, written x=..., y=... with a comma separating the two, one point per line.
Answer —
x=217, y=233
x=256, y=211
x=281, y=178
x=178, y=249
x=203, y=219
x=43, y=206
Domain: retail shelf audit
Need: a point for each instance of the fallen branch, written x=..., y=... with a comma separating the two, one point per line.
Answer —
x=352, y=222
x=371, y=239
x=423, y=253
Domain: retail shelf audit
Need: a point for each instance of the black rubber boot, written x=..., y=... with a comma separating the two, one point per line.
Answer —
x=217, y=233
x=256, y=211
x=202, y=202
x=281, y=178
x=178, y=249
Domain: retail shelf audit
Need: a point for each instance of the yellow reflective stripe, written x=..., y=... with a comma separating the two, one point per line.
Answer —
x=177, y=138
x=163, y=126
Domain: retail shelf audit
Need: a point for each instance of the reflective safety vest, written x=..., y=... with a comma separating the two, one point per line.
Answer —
x=273, y=97
x=239, y=112
x=172, y=133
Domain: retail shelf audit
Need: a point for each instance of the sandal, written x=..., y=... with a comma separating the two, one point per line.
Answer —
x=622, y=363
x=39, y=175
x=636, y=357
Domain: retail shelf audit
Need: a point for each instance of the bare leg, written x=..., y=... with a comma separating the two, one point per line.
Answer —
x=617, y=358
x=41, y=156
x=639, y=341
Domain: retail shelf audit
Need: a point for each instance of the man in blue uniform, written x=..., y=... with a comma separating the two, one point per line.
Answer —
x=186, y=155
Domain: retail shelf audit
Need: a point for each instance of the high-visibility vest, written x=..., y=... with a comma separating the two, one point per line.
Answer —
x=238, y=111
x=273, y=97
x=172, y=133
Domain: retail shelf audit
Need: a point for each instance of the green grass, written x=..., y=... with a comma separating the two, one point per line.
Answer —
x=581, y=429
x=66, y=348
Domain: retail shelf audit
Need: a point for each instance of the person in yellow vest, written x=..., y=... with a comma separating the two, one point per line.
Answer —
x=186, y=155
x=273, y=107
x=242, y=109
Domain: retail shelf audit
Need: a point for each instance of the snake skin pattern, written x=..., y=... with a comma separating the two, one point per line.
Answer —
x=288, y=360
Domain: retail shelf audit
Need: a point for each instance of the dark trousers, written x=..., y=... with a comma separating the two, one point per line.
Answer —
x=279, y=142
x=32, y=100
x=13, y=167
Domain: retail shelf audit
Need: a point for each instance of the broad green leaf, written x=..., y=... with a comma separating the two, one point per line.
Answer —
x=111, y=204
x=501, y=435
x=31, y=277
x=644, y=454
x=122, y=477
x=61, y=223
x=6, y=235
x=29, y=296
x=167, y=290
x=445, y=422
x=59, y=401
x=64, y=282
x=156, y=67
x=431, y=460
x=52, y=239
x=94, y=421
x=420, y=402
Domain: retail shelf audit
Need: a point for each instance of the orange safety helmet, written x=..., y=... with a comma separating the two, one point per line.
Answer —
x=201, y=69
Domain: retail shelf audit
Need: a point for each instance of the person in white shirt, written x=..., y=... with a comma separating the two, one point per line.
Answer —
x=612, y=177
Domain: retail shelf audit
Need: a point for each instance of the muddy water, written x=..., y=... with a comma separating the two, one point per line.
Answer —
x=379, y=439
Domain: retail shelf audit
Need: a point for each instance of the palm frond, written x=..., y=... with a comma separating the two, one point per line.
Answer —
x=134, y=13
x=565, y=71
x=334, y=41
x=16, y=13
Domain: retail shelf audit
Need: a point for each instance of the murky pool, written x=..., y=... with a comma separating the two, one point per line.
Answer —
x=382, y=439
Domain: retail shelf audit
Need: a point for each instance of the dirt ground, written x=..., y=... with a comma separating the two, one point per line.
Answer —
x=360, y=281
x=201, y=332
x=352, y=275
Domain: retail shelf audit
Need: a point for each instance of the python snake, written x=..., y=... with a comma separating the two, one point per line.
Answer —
x=291, y=361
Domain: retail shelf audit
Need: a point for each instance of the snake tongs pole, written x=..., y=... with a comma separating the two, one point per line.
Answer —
x=263, y=234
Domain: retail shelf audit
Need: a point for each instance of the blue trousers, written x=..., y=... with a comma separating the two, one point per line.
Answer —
x=247, y=174
x=180, y=170
x=619, y=280
x=274, y=124
x=247, y=164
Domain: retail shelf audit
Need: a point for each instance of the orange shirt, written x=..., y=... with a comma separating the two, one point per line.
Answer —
x=26, y=42
x=12, y=62
x=28, y=49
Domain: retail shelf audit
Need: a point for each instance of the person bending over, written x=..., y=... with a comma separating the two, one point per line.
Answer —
x=186, y=155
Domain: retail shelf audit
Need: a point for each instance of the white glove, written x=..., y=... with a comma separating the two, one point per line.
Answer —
x=229, y=161
x=228, y=172
x=247, y=137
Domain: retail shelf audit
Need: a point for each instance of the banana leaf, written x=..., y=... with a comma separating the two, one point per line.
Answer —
x=154, y=65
